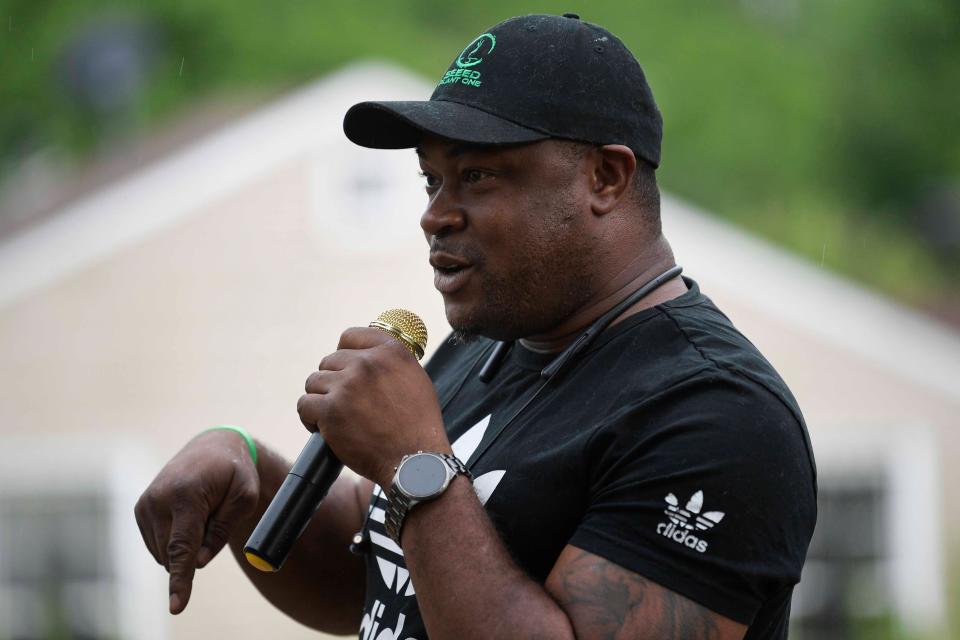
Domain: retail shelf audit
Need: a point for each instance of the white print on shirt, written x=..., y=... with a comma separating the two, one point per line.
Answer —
x=686, y=519
x=371, y=623
x=396, y=577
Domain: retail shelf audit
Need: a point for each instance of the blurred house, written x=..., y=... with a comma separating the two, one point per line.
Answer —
x=203, y=288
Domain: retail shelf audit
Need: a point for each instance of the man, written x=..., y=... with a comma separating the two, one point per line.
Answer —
x=658, y=483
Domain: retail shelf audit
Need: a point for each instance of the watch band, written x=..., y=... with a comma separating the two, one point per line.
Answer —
x=455, y=465
x=399, y=504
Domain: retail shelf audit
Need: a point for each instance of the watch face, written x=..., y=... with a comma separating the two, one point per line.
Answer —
x=422, y=476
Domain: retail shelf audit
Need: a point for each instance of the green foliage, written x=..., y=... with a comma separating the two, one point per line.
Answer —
x=816, y=123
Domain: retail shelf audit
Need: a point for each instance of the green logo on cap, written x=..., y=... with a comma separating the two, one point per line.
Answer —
x=473, y=53
x=471, y=56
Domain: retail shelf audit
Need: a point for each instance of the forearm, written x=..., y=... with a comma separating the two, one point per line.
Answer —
x=467, y=584
x=321, y=584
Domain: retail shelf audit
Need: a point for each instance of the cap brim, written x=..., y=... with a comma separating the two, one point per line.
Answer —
x=400, y=125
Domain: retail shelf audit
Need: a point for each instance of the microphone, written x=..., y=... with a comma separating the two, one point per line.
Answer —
x=316, y=469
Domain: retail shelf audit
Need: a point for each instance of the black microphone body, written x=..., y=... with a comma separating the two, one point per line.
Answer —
x=294, y=504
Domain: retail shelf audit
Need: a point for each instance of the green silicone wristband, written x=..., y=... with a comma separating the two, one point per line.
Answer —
x=243, y=432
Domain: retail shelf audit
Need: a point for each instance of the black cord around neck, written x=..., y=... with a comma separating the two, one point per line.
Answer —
x=600, y=324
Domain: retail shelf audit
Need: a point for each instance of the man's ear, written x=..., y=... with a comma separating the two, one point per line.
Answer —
x=612, y=170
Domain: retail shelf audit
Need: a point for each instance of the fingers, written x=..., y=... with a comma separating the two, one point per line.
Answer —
x=141, y=513
x=186, y=532
x=357, y=359
x=360, y=339
x=240, y=502
x=153, y=520
x=335, y=361
x=356, y=345
x=319, y=382
x=311, y=408
x=161, y=535
x=363, y=338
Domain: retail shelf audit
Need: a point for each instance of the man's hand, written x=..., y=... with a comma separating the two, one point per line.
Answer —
x=195, y=503
x=373, y=403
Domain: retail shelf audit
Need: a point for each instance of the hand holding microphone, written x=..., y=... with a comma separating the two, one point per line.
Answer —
x=362, y=395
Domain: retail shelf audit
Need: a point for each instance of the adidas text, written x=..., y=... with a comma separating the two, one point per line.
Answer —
x=681, y=536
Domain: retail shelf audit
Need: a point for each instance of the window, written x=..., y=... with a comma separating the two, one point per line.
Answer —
x=874, y=568
x=56, y=574
x=72, y=564
x=844, y=592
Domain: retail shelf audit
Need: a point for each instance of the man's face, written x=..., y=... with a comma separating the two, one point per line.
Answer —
x=509, y=235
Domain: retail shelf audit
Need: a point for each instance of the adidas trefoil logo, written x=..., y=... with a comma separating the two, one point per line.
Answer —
x=687, y=519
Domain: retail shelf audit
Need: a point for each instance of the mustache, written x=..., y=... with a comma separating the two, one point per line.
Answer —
x=458, y=249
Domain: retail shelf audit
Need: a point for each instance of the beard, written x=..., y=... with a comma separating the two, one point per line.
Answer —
x=524, y=305
x=462, y=336
x=550, y=278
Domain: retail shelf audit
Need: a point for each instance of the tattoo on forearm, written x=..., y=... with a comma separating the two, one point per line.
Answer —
x=613, y=603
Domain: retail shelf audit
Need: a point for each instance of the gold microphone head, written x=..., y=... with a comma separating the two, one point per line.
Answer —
x=405, y=326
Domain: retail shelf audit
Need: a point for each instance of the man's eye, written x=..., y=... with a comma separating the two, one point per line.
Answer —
x=474, y=175
x=429, y=179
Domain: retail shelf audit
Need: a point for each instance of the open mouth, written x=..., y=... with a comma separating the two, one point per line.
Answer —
x=449, y=271
x=448, y=264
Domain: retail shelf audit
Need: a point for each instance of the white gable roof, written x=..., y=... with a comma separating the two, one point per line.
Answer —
x=768, y=278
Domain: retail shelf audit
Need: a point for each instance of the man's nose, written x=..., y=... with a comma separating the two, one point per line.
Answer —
x=443, y=215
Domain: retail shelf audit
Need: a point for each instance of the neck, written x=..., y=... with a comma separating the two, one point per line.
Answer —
x=632, y=276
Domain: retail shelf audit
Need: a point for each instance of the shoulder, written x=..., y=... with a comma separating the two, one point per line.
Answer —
x=720, y=421
x=707, y=488
x=696, y=387
x=716, y=340
x=685, y=361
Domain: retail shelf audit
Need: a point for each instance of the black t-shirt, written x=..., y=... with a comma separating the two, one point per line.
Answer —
x=671, y=448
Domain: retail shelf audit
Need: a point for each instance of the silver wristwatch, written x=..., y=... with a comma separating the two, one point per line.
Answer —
x=420, y=477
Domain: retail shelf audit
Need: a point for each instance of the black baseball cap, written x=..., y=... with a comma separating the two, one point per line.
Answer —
x=525, y=79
